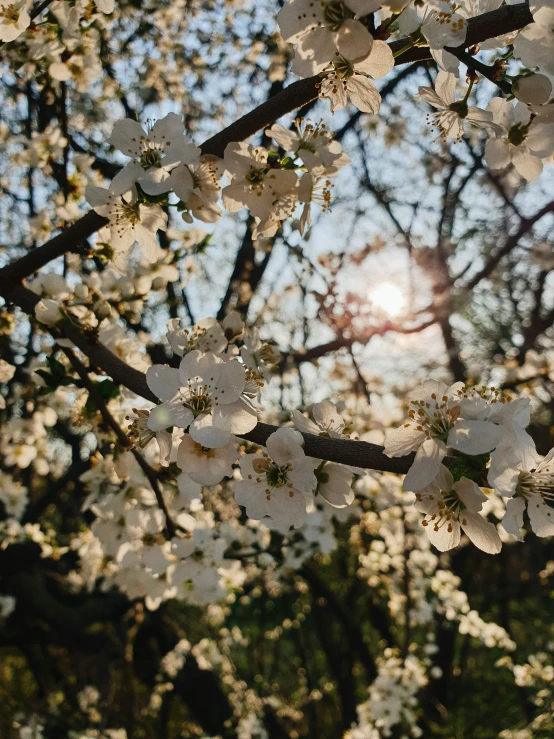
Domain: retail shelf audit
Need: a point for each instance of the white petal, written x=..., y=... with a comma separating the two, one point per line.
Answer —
x=353, y=40
x=181, y=182
x=503, y=472
x=497, y=153
x=364, y=94
x=338, y=490
x=325, y=414
x=426, y=465
x=230, y=382
x=204, y=432
x=513, y=519
x=126, y=137
x=527, y=165
x=362, y=8
x=445, y=85
x=482, y=533
x=235, y=418
x=283, y=136
x=474, y=437
x=442, y=538
x=285, y=445
x=541, y=516
x=403, y=440
x=470, y=494
x=168, y=414
x=126, y=178
x=165, y=443
x=304, y=424
x=155, y=181
x=163, y=381
x=252, y=498
x=379, y=62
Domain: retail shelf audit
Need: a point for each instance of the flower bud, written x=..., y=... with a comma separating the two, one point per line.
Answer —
x=159, y=283
x=48, y=312
x=102, y=309
x=80, y=291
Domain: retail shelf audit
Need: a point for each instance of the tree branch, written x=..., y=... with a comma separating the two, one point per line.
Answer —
x=496, y=23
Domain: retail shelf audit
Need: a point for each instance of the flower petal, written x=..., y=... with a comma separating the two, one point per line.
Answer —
x=426, y=465
x=474, y=437
x=482, y=533
x=163, y=381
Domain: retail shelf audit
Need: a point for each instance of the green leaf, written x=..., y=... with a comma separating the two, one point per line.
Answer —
x=473, y=468
x=107, y=389
x=289, y=163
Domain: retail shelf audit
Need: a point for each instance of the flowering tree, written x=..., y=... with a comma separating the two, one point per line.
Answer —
x=276, y=369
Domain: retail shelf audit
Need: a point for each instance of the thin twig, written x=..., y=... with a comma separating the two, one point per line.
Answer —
x=110, y=421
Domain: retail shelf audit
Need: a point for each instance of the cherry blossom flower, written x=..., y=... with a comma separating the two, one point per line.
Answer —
x=130, y=221
x=453, y=114
x=140, y=434
x=518, y=472
x=434, y=411
x=274, y=483
x=14, y=19
x=321, y=29
x=205, y=395
x=205, y=465
x=450, y=506
x=523, y=141
x=154, y=153
x=334, y=484
x=327, y=421
x=13, y=495
x=197, y=187
x=207, y=336
x=48, y=312
x=255, y=184
x=487, y=416
x=313, y=144
x=441, y=25
x=347, y=78
x=261, y=356
x=313, y=190
x=534, y=44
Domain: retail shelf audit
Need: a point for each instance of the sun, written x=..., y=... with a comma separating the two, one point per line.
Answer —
x=389, y=298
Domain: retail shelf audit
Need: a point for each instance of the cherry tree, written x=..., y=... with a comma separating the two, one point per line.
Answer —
x=276, y=369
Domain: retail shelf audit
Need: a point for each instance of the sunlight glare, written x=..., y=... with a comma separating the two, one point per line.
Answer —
x=389, y=298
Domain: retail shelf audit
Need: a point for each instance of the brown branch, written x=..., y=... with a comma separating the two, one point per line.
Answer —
x=346, y=342
x=496, y=23
x=356, y=453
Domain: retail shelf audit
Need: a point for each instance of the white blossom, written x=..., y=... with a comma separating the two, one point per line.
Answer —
x=256, y=185
x=453, y=114
x=205, y=395
x=154, y=153
x=274, y=483
x=522, y=141
x=204, y=465
x=130, y=221
x=322, y=29
x=519, y=473
x=453, y=506
x=14, y=18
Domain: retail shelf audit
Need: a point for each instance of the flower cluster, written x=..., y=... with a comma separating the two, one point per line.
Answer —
x=485, y=430
x=164, y=161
